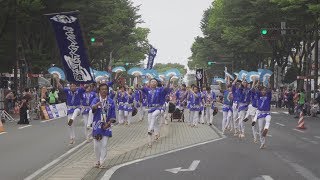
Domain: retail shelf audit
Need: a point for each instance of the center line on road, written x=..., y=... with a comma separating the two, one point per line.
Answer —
x=280, y=124
x=24, y=126
x=50, y=120
x=266, y=177
x=298, y=130
x=3, y=133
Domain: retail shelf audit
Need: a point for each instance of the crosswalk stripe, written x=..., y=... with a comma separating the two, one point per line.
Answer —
x=24, y=126
x=298, y=130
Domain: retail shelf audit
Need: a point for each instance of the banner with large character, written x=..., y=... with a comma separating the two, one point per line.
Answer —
x=72, y=50
x=199, y=77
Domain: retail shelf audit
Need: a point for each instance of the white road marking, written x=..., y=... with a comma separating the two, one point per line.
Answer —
x=298, y=130
x=285, y=112
x=269, y=135
x=274, y=112
x=112, y=170
x=24, y=126
x=266, y=177
x=50, y=120
x=39, y=171
x=307, y=174
x=309, y=140
x=3, y=133
x=192, y=167
x=314, y=142
x=280, y=124
x=318, y=137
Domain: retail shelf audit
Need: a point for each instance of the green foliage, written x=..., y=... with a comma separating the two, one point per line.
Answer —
x=233, y=28
x=161, y=68
x=291, y=75
x=115, y=21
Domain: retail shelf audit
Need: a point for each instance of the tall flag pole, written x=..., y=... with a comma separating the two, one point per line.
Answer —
x=152, y=54
x=72, y=48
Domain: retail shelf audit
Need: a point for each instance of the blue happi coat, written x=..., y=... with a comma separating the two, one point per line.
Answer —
x=103, y=114
x=73, y=98
x=87, y=98
x=155, y=97
x=122, y=100
x=195, y=101
x=264, y=104
x=227, y=101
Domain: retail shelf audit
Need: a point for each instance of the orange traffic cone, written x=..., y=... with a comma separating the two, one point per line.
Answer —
x=301, y=122
x=1, y=127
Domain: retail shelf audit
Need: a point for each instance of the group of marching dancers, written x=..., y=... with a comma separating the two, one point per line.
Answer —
x=101, y=107
x=242, y=101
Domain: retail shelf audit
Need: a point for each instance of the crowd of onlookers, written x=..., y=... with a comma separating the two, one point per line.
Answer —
x=29, y=101
x=295, y=101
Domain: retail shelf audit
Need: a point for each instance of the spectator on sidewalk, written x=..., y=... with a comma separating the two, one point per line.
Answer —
x=290, y=102
x=24, y=111
x=53, y=96
x=300, y=102
x=9, y=102
x=314, y=108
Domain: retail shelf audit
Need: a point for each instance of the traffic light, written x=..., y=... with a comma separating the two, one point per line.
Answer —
x=270, y=33
x=93, y=39
x=210, y=63
x=264, y=31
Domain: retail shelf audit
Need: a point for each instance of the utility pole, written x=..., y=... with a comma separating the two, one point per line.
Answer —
x=316, y=56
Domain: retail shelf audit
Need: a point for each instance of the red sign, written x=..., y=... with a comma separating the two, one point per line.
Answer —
x=34, y=75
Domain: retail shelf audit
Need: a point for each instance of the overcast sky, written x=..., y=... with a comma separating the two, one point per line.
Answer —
x=174, y=24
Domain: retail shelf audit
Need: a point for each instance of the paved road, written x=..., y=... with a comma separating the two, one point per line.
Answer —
x=24, y=151
x=290, y=154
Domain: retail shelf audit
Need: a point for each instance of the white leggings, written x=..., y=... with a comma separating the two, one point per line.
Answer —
x=194, y=117
x=264, y=123
x=121, y=116
x=208, y=117
x=86, y=121
x=227, y=115
x=153, y=120
x=235, y=117
x=73, y=116
x=128, y=116
x=100, y=149
x=241, y=125
x=142, y=112
x=252, y=114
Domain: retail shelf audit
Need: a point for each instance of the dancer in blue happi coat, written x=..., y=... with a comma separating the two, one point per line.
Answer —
x=235, y=105
x=243, y=93
x=129, y=106
x=264, y=115
x=87, y=98
x=122, y=100
x=181, y=97
x=244, y=100
x=154, y=95
x=103, y=109
x=74, y=96
x=209, y=98
x=252, y=109
x=195, y=106
x=227, y=108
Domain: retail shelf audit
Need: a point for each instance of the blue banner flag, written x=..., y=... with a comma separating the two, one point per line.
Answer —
x=72, y=50
x=152, y=55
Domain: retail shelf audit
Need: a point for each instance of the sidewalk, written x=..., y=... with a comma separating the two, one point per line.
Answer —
x=128, y=143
